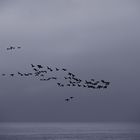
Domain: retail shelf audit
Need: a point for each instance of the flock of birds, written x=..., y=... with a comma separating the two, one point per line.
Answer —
x=69, y=80
x=13, y=48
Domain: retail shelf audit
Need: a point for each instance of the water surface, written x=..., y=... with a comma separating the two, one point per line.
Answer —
x=69, y=131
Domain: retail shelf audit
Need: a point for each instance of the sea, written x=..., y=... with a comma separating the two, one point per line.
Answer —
x=69, y=131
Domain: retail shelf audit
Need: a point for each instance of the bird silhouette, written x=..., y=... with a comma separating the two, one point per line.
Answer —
x=48, y=79
x=30, y=73
x=37, y=73
x=42, y=75
x=64, y=69
x=73, y=85
x=43, y=71
x=11, y=74
x=75, y=79
x=70, y=82
x=59, y=84
x=54, y=78
x=65, y=77
x=56, y=69
x=35, y=69
x=79, y=85
x=96, y=83
x=107, y=83
x=26, y=74
x=32, y=65
x=67, y=99
x=71, y=74
x=68, y=85
x=19, y=47
x=84, y=85
x=104, y=86
x=20, y=74
x=42, y=79
x=11, y=48
x=69, y=77
x=102, y=81
x=49, y=68
x=39, y=66
x=99, y=86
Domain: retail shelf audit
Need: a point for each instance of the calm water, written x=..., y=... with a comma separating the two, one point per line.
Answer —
x=69, y=131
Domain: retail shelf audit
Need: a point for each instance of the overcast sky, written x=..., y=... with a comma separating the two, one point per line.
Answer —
x=92, y=38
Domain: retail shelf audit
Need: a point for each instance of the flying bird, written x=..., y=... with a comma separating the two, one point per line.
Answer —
x=39, y=66
x=99, y=86
x=84, y=85
x=19, y=47
x=102, y=81
x=35, y=69
x=56, y=69
x=69, y=73
x=43, y=79
x=96, y=83
x=11, y=74
x=65, y=77
x=107, y=83
x=48, y=79
x=73, y=85
x=32, y=65
x=104, y=86
x=49, y=68
x=71, y=97
x=79, y=85
x=11, y=48
x=68, y=85
x=54, y=78
x=64, y=69
x=20, y=74
x=67, y=99
x=59, y=84
x=42, y=75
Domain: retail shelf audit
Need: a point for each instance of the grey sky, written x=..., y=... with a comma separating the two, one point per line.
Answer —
x=92, y=38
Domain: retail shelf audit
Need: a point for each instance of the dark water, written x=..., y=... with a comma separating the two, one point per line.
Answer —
x=69, y=131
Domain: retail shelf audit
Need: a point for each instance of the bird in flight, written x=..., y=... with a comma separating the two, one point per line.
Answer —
x=19, y=47
x=11, y=48
x=32, y=65
x=70, y=79
x=56, y=69
x=106, y=83
x=49, y=68
x=67, y=99
x=39, y=66
x=11, y=74
x=64, y=69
